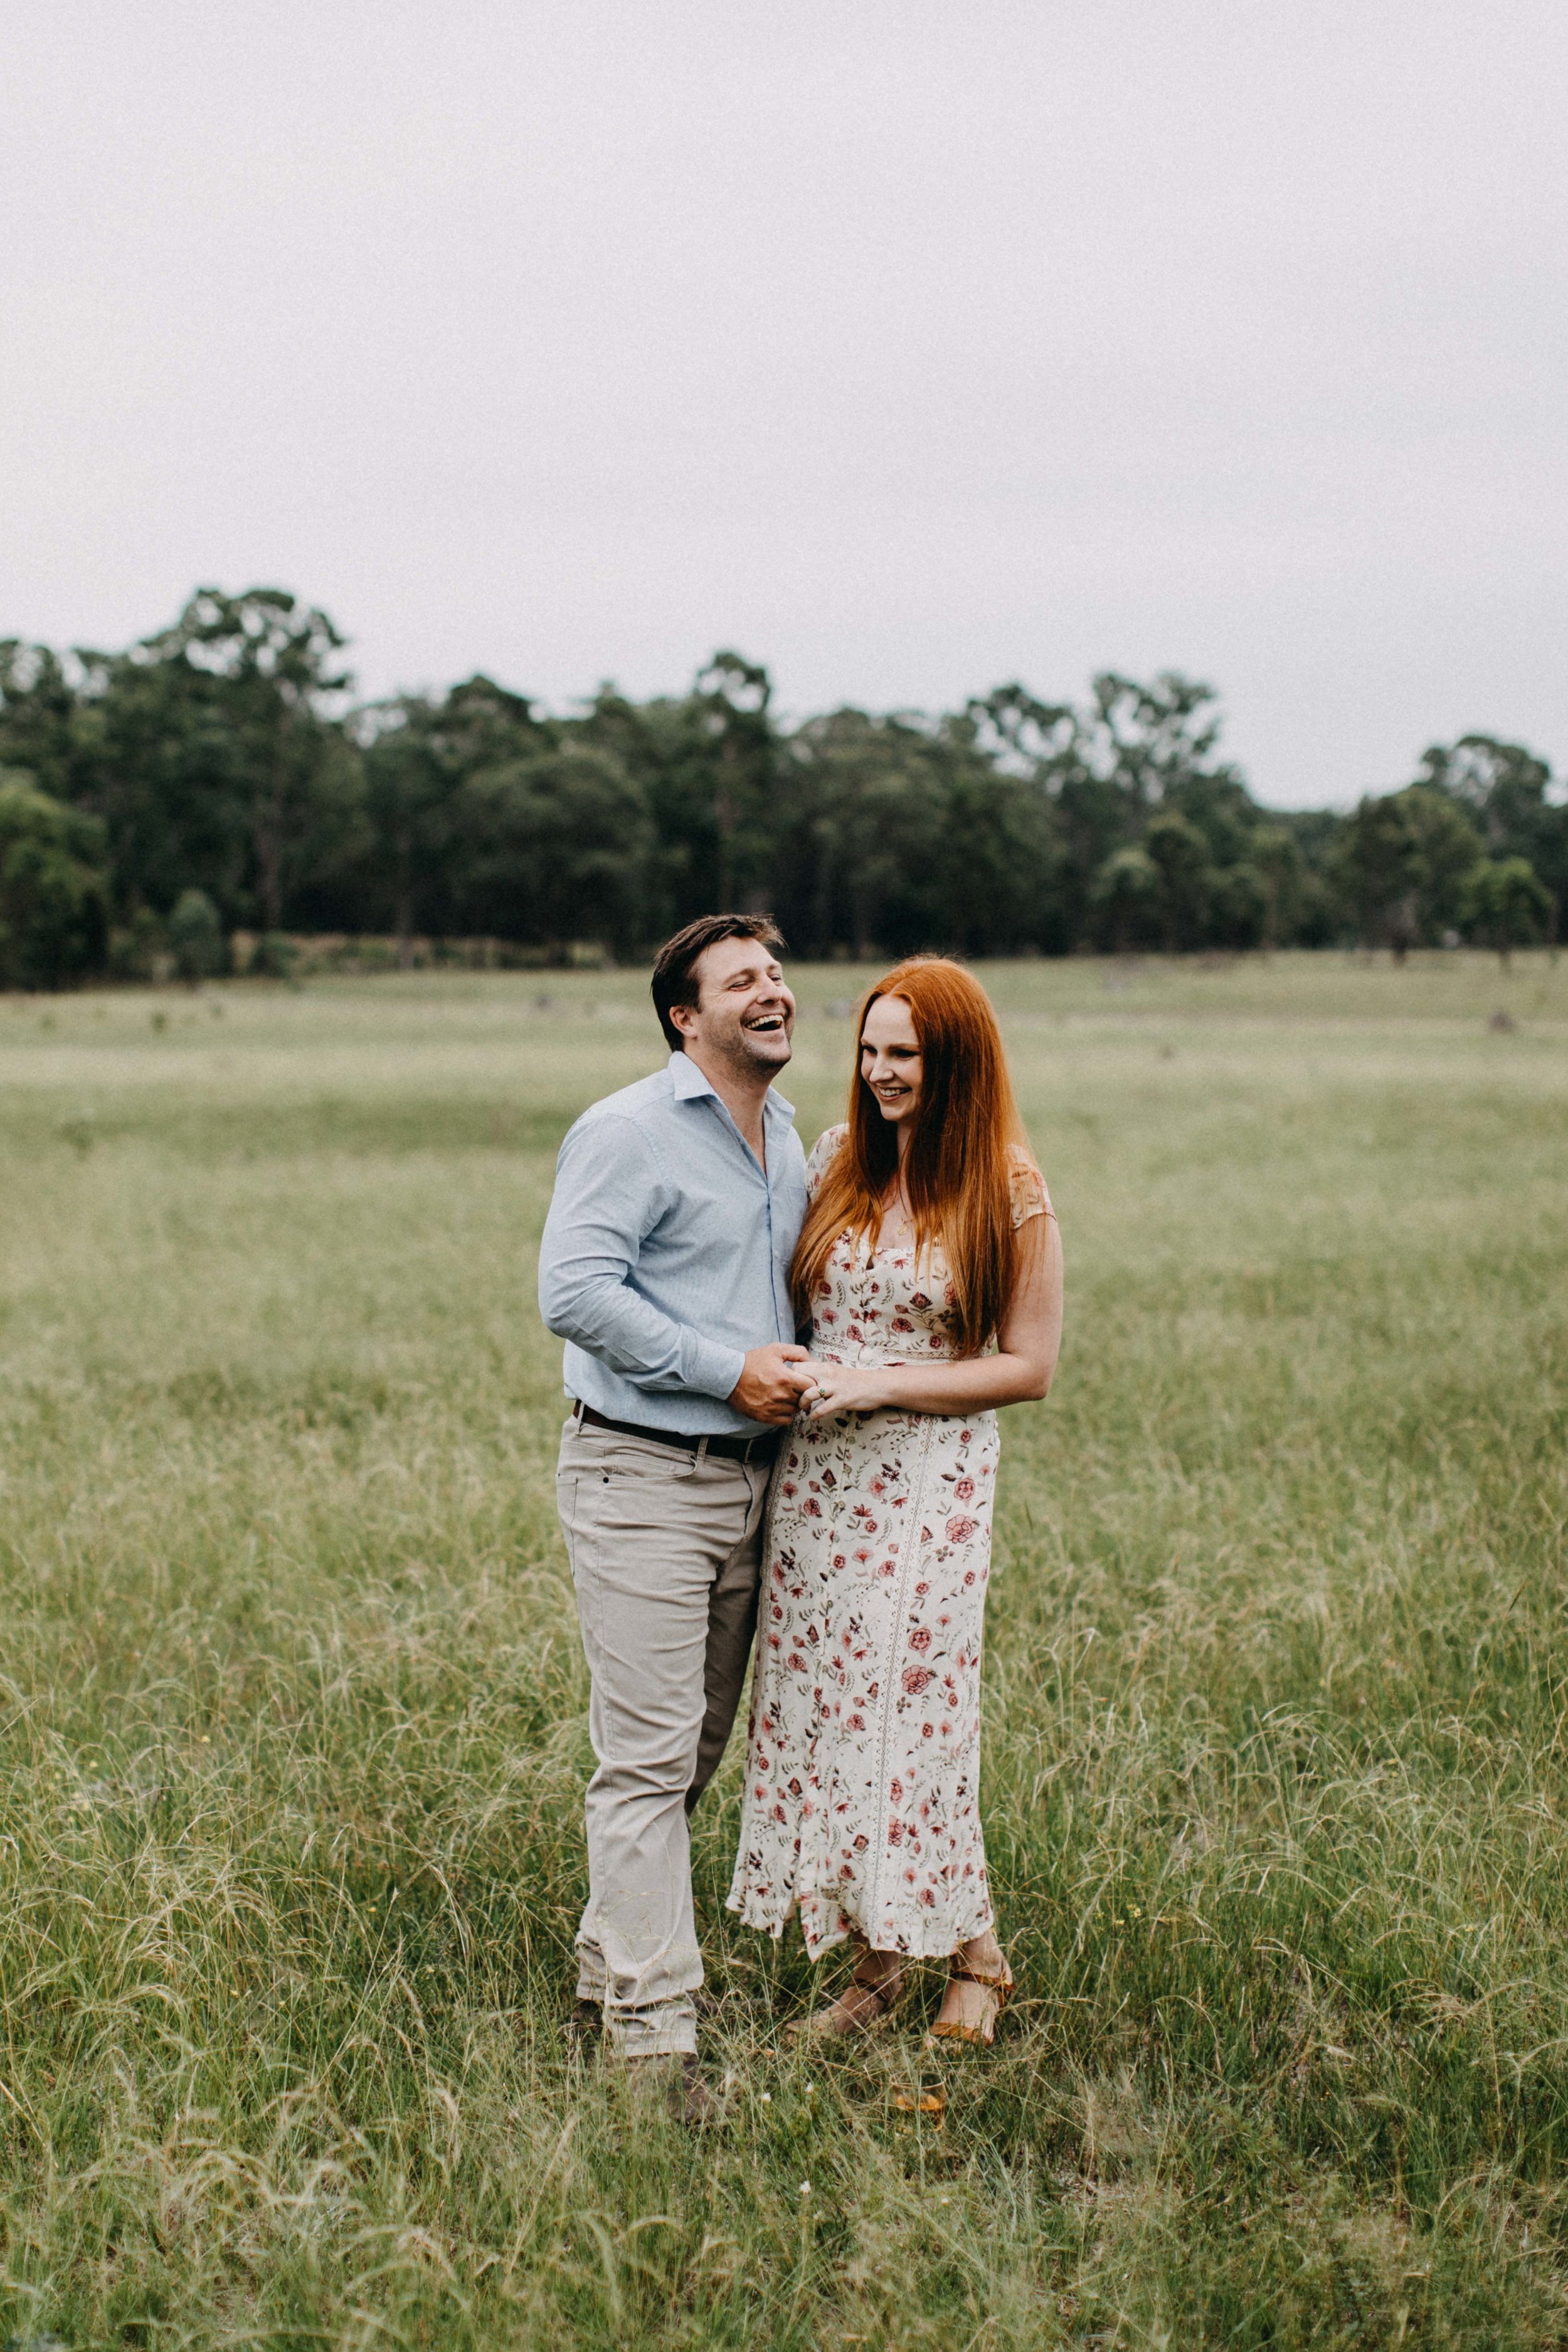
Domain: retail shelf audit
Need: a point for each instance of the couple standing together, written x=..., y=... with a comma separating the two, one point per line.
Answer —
x=712, y=1461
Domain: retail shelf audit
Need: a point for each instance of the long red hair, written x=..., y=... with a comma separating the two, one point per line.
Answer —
x=968, y=1143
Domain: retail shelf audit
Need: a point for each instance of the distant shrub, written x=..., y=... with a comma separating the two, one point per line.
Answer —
x=195, y=937
x=54, y=888
x=141, y=950
x=274, y=956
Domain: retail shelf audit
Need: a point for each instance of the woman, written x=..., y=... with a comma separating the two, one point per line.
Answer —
x=928, y=1272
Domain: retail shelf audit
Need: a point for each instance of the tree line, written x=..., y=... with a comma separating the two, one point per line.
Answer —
x=217, y=778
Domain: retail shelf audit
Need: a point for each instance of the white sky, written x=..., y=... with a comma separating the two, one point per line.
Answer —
x=906, y=347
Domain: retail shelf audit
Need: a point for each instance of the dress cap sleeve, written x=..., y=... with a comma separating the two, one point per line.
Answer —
x=1027, y=1186
x=823, y=1151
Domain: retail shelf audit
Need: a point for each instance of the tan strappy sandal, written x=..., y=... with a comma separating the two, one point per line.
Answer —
x=1000, y=1988
x=828, y=2023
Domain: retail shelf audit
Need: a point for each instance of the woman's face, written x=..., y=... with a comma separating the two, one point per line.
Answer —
x=890, y=1058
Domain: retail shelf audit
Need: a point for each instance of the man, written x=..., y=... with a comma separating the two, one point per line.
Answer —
x=665, y=1267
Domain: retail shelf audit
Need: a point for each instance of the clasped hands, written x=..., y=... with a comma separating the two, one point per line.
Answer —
x=778, y=1380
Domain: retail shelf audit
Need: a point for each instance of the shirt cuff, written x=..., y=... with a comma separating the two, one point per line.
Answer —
x=713, y=1369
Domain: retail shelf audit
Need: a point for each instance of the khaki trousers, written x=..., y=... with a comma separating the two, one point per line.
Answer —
x=665, y=1548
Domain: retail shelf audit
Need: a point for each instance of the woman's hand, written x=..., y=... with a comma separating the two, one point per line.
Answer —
x=845, y=1388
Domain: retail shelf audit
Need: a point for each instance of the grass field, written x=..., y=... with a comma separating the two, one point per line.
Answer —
x=292, y=1707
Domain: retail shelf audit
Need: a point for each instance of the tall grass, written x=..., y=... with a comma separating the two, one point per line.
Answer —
x=291, y=1706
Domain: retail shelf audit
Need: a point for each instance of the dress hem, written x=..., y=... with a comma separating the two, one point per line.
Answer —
x=767, y=1921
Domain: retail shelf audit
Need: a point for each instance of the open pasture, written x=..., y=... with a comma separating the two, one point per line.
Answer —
x=291, y=1709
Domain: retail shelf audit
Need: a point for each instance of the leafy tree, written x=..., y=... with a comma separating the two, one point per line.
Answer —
x=1403, y=861
x=409, y=787
x=1126, y=896
x=1445, y=846
x=709, y=764
x=1380, y=869
x=1506, y=788
x=39, y=702
x=269, y=665
x=551, y=849
x=1151, y=740
x=998, y=869
x=54, y=888
x=1275, y=857
x=734, y=697
x=861, y=818
x=1506, y=904
x=1179, y=855
x=1238, y=906
x=161, y=768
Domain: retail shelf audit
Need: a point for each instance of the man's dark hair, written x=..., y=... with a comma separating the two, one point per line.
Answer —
x=675, y=966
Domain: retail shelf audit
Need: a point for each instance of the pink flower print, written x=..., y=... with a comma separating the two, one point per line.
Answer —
x=828, y=1479
x=795, y=1663
x=928, y=1898
x=920, y=1592
x=812, y=1507
x=895, y=1833
x=927, y=1730
x=966, y=1437
x=919, y=1299
x=959, y=1530
x=921, y=1639
x=963, y=1490
x=915, y=1679
x=857, y=1723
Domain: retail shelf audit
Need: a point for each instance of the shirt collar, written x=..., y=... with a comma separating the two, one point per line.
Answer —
x=687, y=1083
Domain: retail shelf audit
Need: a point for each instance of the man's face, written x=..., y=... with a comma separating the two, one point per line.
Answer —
x=744, y=1014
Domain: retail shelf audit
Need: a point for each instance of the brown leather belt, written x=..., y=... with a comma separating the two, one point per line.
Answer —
x=732, y=1449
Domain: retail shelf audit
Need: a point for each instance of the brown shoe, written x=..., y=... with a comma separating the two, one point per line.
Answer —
x=679, y=2079
x=692, y=2101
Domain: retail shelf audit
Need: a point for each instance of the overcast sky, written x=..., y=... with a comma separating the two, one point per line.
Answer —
x=906, y=347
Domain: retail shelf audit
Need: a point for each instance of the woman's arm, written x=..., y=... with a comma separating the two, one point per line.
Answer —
x=1025, y=1361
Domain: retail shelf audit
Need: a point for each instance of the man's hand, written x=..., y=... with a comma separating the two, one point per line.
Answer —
x=770, y=1388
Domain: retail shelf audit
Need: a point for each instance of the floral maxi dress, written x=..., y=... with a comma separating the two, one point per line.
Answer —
x=863, y=1749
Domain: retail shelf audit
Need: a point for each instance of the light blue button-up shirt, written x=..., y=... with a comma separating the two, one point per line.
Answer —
x=667, y=1249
